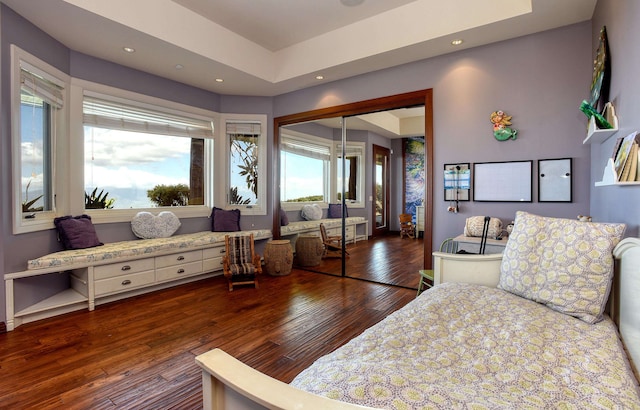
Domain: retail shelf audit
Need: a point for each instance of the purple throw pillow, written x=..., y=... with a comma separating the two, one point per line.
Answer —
x=335, y=211
x=225, y=221
x=76, y=232
x=284, y=219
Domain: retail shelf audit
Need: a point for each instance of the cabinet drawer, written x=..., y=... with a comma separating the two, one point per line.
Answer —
x=350, y=232
x=124, y=282
x=178, y=259
x=337, y=231
x=216, y=252
x=212, y=264
x=178, y=271
x=124, y=268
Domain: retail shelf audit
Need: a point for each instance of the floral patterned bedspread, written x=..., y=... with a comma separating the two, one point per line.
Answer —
x=473, y=347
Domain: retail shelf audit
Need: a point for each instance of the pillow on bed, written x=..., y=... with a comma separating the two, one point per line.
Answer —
x=562, y=263
x=76, y=232
x=225, y=221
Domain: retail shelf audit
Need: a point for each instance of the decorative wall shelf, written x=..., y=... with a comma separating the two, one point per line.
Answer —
x=611, y=178
x=596, y=135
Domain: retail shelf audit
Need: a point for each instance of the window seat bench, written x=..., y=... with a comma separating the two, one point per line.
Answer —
x=356, y=227
x=116, y=271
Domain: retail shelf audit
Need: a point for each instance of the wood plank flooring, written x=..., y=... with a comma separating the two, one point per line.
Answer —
x=386, y=259
x=139, y=353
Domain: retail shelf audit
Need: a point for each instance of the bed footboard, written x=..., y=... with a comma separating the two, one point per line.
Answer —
x=227, y=383
x=477, y=269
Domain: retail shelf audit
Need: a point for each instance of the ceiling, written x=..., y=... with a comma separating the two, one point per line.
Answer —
x=267, y=48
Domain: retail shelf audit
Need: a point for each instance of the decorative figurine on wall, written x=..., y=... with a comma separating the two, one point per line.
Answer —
x=501, y=122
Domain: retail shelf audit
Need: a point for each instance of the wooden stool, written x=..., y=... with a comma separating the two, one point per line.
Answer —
x=278, y=257
x=309, y=250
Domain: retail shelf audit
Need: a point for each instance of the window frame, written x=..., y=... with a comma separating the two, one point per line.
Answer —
x=329, y=176
x=360, y=147
x=80, y=88
x=57, y=167
x=224, y=157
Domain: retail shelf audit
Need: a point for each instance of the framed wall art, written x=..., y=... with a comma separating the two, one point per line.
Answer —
x=457, y=182
x=508, y=181
x=555, y=180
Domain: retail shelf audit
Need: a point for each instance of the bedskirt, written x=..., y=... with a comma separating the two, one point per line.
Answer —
x=468, y=346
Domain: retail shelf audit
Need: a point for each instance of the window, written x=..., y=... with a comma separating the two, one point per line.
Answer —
x=38, y=94
x=243, y=166
x=246, y=143
x=305, y=169
x=138, y=156
x=354, y=173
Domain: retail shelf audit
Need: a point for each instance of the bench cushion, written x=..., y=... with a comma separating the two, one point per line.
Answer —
x=112, y=252
x=304, y=226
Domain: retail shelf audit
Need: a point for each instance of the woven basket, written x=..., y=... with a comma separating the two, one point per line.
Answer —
x=278, y=257
x=309, y=250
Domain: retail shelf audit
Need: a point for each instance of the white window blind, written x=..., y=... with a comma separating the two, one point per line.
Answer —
x=244, y=128
x=305, y=148
x=41, y=88
x=116, y=115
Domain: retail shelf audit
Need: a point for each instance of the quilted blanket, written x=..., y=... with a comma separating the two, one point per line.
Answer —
x=473, y=347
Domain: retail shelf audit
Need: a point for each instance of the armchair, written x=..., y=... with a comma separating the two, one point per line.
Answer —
x=332, y=244
x=241, y=265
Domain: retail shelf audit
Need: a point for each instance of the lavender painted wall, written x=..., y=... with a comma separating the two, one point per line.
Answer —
x=615, y=203
x=539, y=79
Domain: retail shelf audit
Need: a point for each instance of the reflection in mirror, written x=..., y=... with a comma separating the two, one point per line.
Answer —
x=383, y=122
x=353, y=171
x=311, y=173
x=305, y=161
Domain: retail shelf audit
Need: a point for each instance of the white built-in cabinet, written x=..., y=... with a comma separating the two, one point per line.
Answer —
x=105, y=282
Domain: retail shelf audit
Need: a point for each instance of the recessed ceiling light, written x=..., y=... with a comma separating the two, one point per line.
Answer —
x=456, y=42
x=319, y=77
x=129, y=49
x=351, y=3
x=219, y=80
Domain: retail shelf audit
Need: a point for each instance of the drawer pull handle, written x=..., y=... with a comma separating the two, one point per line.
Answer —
x=180, y=270
x=125, y=267
x=223, y=250
x=180, y=258
x=126, y=282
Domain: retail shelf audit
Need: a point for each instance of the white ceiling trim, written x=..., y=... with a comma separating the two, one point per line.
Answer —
x=411, y=24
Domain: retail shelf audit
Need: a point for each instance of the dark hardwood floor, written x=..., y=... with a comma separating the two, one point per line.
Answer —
x=387, y=259
x=139, y=353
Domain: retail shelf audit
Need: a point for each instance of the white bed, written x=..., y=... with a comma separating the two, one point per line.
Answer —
x=462, y=345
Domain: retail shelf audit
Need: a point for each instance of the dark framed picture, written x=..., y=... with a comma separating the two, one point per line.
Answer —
x=507, y=181
x=457, y=181
x=555, y=180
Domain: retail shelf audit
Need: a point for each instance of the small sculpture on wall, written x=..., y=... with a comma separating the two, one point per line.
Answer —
x=501, y=129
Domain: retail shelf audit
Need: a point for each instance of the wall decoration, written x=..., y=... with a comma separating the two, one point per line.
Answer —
x=509, y=181
x=554, y=180
x=601, y=74
x=501, y=129
x=457, y=181
x=413, y=173
x=600, y=81
x=457, y=184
